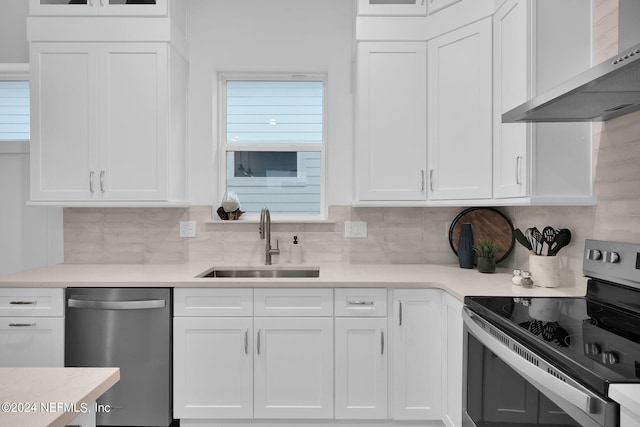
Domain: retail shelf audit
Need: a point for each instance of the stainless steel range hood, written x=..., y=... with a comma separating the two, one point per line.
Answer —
x=603, y=92
x=608, y=90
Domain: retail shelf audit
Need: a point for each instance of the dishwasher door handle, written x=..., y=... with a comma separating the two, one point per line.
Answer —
x=117, y=305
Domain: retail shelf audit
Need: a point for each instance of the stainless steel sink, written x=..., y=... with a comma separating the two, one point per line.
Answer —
x=259, y=272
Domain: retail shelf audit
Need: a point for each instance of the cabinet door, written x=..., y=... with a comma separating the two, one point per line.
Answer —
x=293, y=367
x=361, y=368
x=32, y=342
x=392, y=7
x=97, y=7
x=391, y=124
x=134, y=121
x=64, y=121
x=511, y=88
x=460, y=114
x=436, y=5
x=416, y=354
x=213, y=367
x=452, y=361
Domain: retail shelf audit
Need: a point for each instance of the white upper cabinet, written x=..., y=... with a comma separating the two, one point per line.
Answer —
x=391, y=127
x=459, y=119
x=98, y=7
x=392, y=7
x=100, y=122
x=437, y=5
x=538, y=45
x=511, y=88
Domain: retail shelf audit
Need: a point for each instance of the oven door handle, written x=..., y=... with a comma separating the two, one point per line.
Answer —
x=533, y=374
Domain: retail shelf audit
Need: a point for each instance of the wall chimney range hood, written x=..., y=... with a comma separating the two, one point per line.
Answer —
x=608, y=90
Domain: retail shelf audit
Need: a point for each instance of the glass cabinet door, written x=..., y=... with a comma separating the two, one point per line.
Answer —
x=98, y=7
x=392, y=7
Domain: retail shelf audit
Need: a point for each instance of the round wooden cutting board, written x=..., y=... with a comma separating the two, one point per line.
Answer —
x=486, y=223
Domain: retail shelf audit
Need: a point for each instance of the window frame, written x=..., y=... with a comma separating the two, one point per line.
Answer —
x=15, y=72
x=224, y=146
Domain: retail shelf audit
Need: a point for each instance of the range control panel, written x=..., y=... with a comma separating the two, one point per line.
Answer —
x=612, y=261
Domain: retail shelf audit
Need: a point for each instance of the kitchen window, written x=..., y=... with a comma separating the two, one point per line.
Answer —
x=273, y=143
x=14, y=102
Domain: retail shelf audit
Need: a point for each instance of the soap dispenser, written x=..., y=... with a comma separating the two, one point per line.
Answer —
x=296, y=251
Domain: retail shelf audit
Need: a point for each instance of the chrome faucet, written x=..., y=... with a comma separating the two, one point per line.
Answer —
x=265, y=233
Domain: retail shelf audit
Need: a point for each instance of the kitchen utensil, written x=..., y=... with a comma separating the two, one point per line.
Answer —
x=522, y=239
x=563, y=238
x=538, y=238
x=549, y=233
x=530, y=238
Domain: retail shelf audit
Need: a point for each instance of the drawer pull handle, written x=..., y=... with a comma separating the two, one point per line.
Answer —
x=358, y=302
x=23, y=302
x=21, y=325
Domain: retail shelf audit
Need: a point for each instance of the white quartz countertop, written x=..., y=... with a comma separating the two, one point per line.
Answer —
x=458, y=282
x=50, y=396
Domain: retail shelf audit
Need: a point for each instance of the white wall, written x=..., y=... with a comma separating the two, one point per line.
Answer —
x=13, y=31
x=274, y=35
x=29, y=236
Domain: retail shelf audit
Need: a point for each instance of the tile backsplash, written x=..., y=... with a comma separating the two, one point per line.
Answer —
x=394, y=236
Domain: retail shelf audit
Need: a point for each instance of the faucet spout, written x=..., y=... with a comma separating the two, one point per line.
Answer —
x=265, y=233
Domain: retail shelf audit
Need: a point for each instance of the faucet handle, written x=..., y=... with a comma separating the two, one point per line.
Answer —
x=276, y=250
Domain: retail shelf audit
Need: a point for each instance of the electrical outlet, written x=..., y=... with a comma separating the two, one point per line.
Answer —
x=355, y=229
x=187, y=229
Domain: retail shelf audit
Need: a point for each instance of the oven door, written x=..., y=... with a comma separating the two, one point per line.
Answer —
x=506, y=384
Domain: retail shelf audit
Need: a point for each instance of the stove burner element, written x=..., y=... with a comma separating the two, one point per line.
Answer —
x=621, y=323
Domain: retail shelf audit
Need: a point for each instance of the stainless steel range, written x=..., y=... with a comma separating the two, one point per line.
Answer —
x=549, y=361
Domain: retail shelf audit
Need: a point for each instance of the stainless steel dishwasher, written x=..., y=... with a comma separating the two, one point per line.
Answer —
x=129, y=328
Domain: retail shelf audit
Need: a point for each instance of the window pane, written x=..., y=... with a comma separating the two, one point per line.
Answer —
x=265, y=163
x=274, y=111
x=14, y=110
x=282, y=191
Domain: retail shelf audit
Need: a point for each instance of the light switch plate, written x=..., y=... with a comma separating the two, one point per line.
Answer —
x=187, y=229
x=355, y=229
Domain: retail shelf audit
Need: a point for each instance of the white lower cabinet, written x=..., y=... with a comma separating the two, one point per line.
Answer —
x=417, y=357
x=452, y=360
x=213, y=367
x=293, y=368
x=31, y=327
x=361, y=354
x=361, y=368
x=346, y=359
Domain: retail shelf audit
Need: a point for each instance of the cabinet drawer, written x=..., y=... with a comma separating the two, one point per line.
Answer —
x=31, y=302
x=212, y=302
x=293, y=302
x=32, y=341
x=365, y=302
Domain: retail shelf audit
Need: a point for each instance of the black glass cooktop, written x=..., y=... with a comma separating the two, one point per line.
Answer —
x=592, y=340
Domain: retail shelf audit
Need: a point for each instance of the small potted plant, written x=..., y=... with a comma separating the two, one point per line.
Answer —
x=486, y=252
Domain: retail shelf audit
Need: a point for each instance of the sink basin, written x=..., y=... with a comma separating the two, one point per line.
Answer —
x=260, y=272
